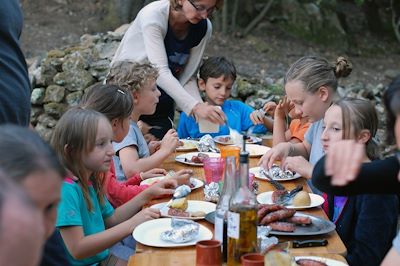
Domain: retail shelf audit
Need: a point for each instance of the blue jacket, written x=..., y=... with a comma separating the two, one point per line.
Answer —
x=238, y=118
x=367, y=226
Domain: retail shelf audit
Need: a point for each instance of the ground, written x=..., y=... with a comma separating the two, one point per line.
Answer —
x=267, y=53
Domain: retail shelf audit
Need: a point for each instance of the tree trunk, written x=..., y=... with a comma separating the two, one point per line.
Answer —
x=234, y=15
x=258, y=18
x=374, y=21
x=225, y=17
x=396, y=18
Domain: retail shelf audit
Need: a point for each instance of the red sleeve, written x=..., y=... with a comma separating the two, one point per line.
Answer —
x=120, y=192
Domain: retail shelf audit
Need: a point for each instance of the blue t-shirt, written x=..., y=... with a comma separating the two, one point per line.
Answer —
x=73, y=211
x=134, y=138
x=238, y=117
x=178, y=51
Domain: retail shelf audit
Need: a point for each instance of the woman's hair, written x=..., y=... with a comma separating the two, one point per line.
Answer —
x=315, y=72
x=24, y=152
x=131, y=76
x=358, y=115
x=215, y=67
x=110, y=100
x=175, y=5
x=391, y=100
x=73, y=138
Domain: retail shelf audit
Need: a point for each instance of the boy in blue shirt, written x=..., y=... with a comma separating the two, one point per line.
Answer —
x=216, y=77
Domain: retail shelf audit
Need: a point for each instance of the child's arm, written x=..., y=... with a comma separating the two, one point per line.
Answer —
x=131, y=163
x=280, y=130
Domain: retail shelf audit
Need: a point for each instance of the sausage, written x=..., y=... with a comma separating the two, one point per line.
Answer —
x=277, y=194
x=310, y=262
x=277, y=215
x=282, y=226
x=301, y=220
x=264, y=209
x=177, y=212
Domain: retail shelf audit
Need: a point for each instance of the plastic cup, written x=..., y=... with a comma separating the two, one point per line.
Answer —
x=252, y=259
x=208, y=253
x=214, y=169
x=227, y=151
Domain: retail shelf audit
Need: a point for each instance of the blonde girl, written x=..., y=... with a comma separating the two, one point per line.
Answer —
x=88, y=223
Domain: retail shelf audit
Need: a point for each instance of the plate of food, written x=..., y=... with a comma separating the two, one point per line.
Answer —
x=187, y=209
x=149, y=234
x=227, y=140
x=256, y=150
x=187, y=145
x=194, y=182
x=311, y=260
x=258, y=174
x=302, y=200
x=195, y=158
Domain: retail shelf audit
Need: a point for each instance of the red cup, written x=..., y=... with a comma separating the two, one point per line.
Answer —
x=208, y=253
x=214, y=169
x=252, y=259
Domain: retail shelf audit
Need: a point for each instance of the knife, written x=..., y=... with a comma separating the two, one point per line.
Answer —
x=309, y=243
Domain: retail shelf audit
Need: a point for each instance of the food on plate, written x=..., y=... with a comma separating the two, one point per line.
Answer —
x=282, y=226
x=300, y=220
x=178, y=212
x=310, y=262
x=277, y=194
x=275, y=172
x=186, y=144
x=180, y=204
x=302, y=198
x=278, y=258
x=277, y=215
x=199, y=158
x=197, y=214
x=224, y=139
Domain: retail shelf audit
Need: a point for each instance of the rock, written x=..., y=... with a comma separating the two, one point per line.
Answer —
x=89, y=40
x=56, y=110
x=99, y=69
x=47, y=121
x=49, y=68
x=55, y=54
x=37, y=95
x=75, y=80
x=392, y=73
x=35, y=112
x=106, y=50
x=44, y=132
x=54, y=93
x=74, y=62
x=74, y=98
x=121, y=30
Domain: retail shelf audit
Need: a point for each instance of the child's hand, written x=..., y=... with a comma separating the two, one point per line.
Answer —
x=257, y=117
x=170, y=141
x=153, y=173
x=269, y=108
x=299, y=165
x=161, y=188
x=154, y=146
x=143, y=216
x=283, y=108
x=183, y=176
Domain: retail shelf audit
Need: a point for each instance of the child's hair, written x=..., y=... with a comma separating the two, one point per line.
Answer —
x=357, y=115
x=315, y=72
x=131, y=75
x=391, y=100
x=215, y=67
x=24, y=152
x=73, y=138
x=176, y=6
x=110, y=100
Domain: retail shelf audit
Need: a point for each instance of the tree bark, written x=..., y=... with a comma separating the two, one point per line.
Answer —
x=258, y=18
x=225, y=17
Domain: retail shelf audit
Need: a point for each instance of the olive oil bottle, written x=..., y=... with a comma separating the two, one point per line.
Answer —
x=242, y=217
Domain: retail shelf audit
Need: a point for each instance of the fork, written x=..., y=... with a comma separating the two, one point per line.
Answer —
x=273, y=182
x=172, y=122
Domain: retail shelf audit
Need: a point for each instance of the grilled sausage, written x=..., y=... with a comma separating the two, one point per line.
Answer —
x=310, y=262
x=282, y=226
x=301, y=220
x=277, y=215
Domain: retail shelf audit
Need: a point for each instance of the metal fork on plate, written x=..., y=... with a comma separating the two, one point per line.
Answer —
x=275, y=183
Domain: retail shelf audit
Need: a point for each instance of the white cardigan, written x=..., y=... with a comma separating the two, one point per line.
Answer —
x=144, y=41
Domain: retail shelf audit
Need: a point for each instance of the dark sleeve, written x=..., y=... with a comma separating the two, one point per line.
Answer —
x=376, y=177
x=375, y=227
x=54, y=252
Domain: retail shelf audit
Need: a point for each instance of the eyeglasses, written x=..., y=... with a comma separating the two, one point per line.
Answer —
x=202, y=9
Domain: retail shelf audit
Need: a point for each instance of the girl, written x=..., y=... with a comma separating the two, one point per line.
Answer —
x=87, y=222
x=29, y=161
x=358, y=219
x=172, y=35
x=116, y=104
x=310, y=84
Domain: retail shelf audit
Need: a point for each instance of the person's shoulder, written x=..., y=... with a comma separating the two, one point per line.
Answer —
x=154, y=11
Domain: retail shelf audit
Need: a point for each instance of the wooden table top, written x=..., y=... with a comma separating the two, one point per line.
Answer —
x=186, y=255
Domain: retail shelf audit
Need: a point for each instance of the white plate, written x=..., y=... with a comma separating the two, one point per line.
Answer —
x=316, y=200
x=148, y=233
x=256, y=150
x=256, y=172
x=186, y=157
x=220, y=140
x=188, y=145
x=196, y=182
x=329, y=262
x=193, y=206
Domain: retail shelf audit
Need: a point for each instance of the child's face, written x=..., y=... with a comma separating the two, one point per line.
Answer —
x=120, y=129
x=44, y=189
x=146, y=99
x=307, y=105
x=100, y=158
x=333, y=127
x=217, y=89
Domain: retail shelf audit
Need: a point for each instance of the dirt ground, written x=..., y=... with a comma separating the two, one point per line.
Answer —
x=53, y=24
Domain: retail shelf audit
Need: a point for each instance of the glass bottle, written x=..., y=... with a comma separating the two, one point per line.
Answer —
x=242, y=217
x=221, y=212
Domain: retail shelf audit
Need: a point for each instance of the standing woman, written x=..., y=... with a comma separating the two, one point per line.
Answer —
x=172, y=35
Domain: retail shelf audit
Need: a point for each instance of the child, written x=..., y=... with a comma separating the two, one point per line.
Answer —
x=133, y=154
x=366, y=223
x=216, y=77
x=116, y=104
x=310, y=84
x=87, y=222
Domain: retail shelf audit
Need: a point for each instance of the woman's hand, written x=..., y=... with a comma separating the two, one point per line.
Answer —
x=277, y=153
x=153, y=173
x=170, y=141
x=209, y=112
x=343, y=161
x=299, y=165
